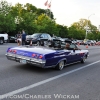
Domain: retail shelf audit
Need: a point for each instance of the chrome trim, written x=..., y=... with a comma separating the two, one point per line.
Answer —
x=10, y=54
x=38, y=60
x=73, y=63
x=16, y=57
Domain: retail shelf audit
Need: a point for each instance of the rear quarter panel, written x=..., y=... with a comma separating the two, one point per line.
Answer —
x=54, y=58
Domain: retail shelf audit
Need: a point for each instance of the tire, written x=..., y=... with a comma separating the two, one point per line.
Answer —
x=49, y=43
x=38, y=43
x=83, y=59
x=61, y=65
x=1, y=41
x=45, y=43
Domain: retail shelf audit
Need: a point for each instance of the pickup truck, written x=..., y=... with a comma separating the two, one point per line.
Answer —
x=3, y=38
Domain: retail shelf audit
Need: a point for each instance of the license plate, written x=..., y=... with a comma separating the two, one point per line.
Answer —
x=23, y=61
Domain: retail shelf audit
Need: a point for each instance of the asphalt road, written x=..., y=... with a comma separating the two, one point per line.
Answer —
x=74, y=82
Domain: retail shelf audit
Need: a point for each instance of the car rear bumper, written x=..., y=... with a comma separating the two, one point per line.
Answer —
x=26, y=60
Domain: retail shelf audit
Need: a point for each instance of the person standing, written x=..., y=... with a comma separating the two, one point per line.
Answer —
x=19, y=40
x=23, y=37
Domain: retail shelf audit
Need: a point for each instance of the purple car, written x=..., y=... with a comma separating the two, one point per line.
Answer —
x=47, y=57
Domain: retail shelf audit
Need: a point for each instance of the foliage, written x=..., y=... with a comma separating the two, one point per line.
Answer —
x=5, y=7
x=32, y=20
x=62, y=30
x=76, y=33
x=7, y=20
x=28, y=23
x=45, y=25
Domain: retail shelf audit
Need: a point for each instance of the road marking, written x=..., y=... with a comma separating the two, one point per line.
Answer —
x=43, y=82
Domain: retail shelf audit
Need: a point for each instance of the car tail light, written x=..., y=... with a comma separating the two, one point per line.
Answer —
x=14, y=51
x=81, y=53
x=9, y=50
x=40, y=56
x=33, y=55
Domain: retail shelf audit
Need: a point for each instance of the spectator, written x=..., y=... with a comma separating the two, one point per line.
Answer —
x=67, y=46
x=17, y=35
x=23, y=37
x=19, y=40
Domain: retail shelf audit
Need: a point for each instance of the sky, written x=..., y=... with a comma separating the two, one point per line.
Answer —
x=67, y=12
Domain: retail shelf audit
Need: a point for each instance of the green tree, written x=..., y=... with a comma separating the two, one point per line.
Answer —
x=62, y=30
x=83, y=24
x=24, y=17
x=28, y=23
x=17, y=10
x=7, y=20
x=75, y=33
x=5, y=7
x=30, y=8
x=46, y=25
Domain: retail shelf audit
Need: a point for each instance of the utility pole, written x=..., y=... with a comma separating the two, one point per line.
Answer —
x=87, y=27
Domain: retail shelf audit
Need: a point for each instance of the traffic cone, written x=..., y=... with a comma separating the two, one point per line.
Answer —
x=86, y=46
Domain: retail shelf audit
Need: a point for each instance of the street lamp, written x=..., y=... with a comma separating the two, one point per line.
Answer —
x=87, y=26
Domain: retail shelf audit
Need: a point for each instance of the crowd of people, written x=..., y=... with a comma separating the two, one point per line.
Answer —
x=21, y=38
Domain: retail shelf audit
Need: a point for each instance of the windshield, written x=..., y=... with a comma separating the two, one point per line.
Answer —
x=36, y=35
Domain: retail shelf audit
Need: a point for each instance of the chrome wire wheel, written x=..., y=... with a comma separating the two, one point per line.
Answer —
x=84, y=59
x=61, y=65
x=38, y=43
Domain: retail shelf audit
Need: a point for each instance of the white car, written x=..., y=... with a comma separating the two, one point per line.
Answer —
x=3, y=38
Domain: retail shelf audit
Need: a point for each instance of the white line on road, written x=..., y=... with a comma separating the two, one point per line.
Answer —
x=43, y=82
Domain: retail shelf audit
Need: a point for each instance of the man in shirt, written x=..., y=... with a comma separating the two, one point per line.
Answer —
x=23, y=37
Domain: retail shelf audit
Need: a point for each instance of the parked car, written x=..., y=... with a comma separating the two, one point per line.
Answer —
x=89, y=42
x=94, y=41
x=74, y=41
x=66, y=39
x=46, y=57
x=12, y=39
x=60, y=42
x=97, y=43
x=38, y=38
x=80, y=42
x=3, y=38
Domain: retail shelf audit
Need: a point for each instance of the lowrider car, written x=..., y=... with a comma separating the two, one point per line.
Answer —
x=46, y=57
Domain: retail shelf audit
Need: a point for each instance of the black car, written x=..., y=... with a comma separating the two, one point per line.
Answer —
x=59, y=43
x=38, y=38
x=12, y=39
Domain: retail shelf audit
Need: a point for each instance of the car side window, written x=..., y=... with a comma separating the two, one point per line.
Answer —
x=73, y=46
x=42, y=36
x=46, y=37
x=49, y=37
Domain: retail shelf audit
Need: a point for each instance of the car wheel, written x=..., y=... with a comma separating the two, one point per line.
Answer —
x=49, y=42
x=83, y=59
x=61, y=65
x=38, y=43
x=41, y=43
x=1, y=41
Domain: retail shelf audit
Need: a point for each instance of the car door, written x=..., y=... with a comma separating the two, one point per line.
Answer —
x=46, y=39
x=75, y=53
